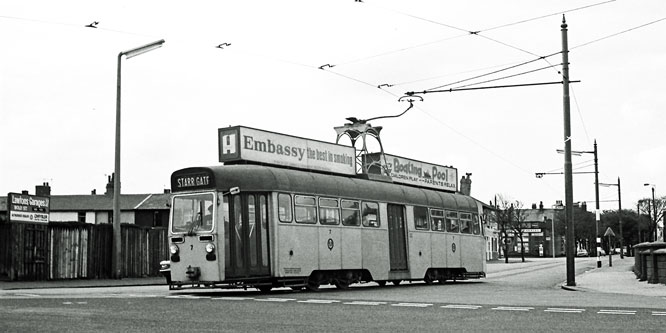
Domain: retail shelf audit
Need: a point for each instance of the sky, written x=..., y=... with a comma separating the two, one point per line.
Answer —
x=58, y=88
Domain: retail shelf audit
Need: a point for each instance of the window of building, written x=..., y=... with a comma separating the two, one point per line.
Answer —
x=329, y=212
x=350, y=212
x=305, y=209
x=284, y=207
x=421, y=218
x=452, y=222
x=466, y=223
x=370, y=214
x=437, y=218
x=81, y=217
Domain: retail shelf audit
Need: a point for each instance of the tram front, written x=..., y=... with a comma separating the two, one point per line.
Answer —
x=194, y=242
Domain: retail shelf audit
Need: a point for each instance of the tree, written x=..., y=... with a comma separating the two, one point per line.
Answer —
x=509, y=217
x=645, y=206
x=584, y=226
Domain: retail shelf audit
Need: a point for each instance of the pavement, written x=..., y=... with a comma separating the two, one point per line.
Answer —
x=618, y=279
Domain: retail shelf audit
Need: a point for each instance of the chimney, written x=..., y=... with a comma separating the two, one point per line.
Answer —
x=93, y=192
x=466, y=184
x=109, y=186
x=540, y=205
x=167, y=191
x=24, y=192
x=43, y=190
x=533, y=206
x=583, y=206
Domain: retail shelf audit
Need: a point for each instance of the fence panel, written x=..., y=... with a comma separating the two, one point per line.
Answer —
x=73, y=250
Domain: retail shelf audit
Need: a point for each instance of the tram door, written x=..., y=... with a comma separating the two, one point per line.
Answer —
x=397, y=242
x=248, y=236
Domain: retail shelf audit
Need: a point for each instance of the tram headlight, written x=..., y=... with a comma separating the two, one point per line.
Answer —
x=210, y=247
x=173, y=249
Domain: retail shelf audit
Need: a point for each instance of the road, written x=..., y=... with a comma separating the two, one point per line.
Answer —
x=516, y=299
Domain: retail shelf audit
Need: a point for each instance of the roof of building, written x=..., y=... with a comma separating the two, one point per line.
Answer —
x=539, y=215
x=91, y=202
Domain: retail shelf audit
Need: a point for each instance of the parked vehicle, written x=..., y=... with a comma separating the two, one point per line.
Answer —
x=582, y=253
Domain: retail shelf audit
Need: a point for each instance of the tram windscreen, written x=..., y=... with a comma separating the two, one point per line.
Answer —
x=192, y=213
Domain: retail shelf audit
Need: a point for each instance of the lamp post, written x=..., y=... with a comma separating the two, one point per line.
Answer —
x=619, y=213
x=654, y=209
x=117, y=244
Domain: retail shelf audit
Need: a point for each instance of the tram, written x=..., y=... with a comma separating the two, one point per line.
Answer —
x=247, y=225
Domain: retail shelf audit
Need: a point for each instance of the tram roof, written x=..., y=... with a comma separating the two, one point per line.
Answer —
x=250, y=177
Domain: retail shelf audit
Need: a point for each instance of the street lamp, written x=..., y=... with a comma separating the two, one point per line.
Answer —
x=596, y=192
x=654, y=209
x=117, y=249
x=619, y=213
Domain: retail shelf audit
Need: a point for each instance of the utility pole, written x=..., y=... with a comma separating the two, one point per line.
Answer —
x=596, y=212
x=568, y=169
x=619, y=217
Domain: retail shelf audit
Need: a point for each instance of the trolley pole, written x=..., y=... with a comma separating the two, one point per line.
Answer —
x=619, y=217
x=568, y=169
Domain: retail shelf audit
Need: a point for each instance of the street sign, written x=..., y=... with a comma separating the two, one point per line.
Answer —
x=609, y=232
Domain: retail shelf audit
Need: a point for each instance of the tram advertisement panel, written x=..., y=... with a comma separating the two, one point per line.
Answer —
x=412, y=172
x=28, y=208
x=240, y=143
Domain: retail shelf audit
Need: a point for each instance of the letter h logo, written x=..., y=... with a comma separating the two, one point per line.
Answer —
x=229, y=144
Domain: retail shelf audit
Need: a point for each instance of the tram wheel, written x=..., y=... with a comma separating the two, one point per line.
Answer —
x=341, y=284
x=312, y=285
x=396, y=282
x=430, y=277
x=296, y=288
x=265, y=289
x=381, y=283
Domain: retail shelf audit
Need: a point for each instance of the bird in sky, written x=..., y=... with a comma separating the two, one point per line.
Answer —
x=221, y=46
x=327, y=65
x=92, y=25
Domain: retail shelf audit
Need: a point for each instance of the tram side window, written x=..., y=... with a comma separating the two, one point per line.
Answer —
x=421, y=218
x=370, y=214
x=329, y=212
x=476, y=225
x=452, y=222
x=466, y=223
x=437, y=218
x=305, y=209
x=284, y=207
x=350, y=212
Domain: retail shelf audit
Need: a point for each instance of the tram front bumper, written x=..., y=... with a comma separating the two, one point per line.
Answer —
x=193, y=273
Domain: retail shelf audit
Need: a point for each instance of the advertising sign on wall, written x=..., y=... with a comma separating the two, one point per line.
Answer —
x=240, y=143
x=28, y=208
x=412, y=172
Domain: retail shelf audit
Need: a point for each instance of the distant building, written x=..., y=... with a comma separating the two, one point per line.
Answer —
x=149, y=210
x=539, y=235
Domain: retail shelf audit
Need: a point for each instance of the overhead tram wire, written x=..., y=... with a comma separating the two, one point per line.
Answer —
x=617, y=34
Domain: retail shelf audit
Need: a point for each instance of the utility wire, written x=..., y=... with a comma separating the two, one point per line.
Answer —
x=548, y=15
x=504, y=77
x=618, y=33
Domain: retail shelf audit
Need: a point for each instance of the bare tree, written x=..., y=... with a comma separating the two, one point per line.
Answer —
x=655, y=211
x=510, y=217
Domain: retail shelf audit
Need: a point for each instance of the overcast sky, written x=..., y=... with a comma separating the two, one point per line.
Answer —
x=57, y=88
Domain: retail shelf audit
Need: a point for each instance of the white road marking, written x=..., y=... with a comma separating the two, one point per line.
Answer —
x=461, y=306
x=658, y=313
x=187, y=296
x=233, y=298
x=513, y=308
x=271, y=299
x=319, y=301
x=415, y=305
x=617, y=312
x=364, y=303
x=560, y=310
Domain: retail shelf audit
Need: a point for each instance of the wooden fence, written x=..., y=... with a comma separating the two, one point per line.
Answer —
x=74, y=250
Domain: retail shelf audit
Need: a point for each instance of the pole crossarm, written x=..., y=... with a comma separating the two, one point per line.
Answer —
x=412, y=93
